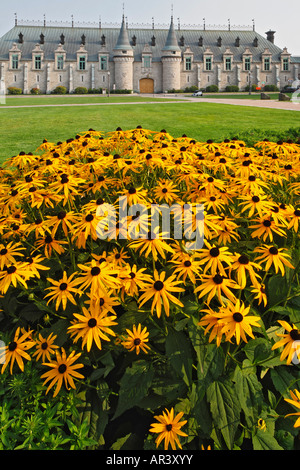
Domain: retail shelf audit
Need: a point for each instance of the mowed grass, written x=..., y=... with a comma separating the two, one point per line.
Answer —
x=24, y=129
x=36, y=100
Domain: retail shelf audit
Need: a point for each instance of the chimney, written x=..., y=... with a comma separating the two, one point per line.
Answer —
x=270, y=36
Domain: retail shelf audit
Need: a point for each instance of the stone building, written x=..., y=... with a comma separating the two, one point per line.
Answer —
x=145, y=60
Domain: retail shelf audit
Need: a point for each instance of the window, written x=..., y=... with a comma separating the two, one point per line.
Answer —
x=267, y=64
x=208, y=63
x=60, y=78
x=103, y=63
x=248, y=63
x=60, y=62
x=285, y=64
x=147, y=61
x=228, y=63
x=82, y=63
x=188, y=63
x=38, y=62
x=15, y=61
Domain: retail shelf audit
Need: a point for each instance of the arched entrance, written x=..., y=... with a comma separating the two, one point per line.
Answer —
x=146, y=85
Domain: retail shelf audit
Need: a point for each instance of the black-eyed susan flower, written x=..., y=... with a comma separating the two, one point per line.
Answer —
x=260, y=294
x=214, y=258
x=166, y=191
x=153, y=244
x=45, y=347
x=243, y=266
x=294, y=219
x=92, y=326
x=98, y=277
x=65, y=220
x=265, y=229
x=255, y=203
x=136, y=339
x=216, y=285
x=13, y=275
x=16, y=350
x=237, y=322
x=273, y=256
x=62, y=371
x=50, y=245
x=160, y=290
x=294, y=401
x=34, y=266
x=133, y=280
x=168, y=429
x=62, y=291
x=212, y=323
x=9, y=253
x=290, y=342
x=187, y=268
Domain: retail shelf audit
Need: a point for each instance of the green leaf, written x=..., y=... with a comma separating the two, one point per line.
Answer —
x=134, y=386
x=263, y=440
x=225, y=408
x=249, y=391
x=179, y=352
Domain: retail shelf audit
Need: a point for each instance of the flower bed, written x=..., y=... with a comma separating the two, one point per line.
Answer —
x=145, y=338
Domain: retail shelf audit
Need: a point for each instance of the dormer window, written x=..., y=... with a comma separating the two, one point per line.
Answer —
x=228, y=63
x=82, y=62
x=267, y=63
x=38, y=62
x=208, y=63
x=285, y=64
x=147, y=61
x=103, y=62
x=60, y=62
x=188, y=63
x=247, y=64
x=15, y=61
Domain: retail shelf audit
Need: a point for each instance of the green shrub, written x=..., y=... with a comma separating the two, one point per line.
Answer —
x=253, y=88
x=97, y=91
x=212, y=89
x=35, y=91
x=59, y=90
x=232, y=88
x=12, y=90
x=270, y=88
x=121, y=92
x=81, y=90
x=191, y=89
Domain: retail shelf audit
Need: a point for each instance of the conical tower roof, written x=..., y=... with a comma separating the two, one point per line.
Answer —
x=171, y=42
x=123, y=39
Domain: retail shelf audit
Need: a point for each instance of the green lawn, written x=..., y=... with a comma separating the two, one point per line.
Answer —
x=24, y=129
x=25, y=100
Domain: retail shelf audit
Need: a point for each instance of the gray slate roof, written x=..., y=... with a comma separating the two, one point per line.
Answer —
x=143, y=36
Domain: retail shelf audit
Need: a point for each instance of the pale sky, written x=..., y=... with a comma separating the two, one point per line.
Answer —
x=282, y=17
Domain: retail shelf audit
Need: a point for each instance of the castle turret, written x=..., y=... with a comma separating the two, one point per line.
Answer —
x=171, y=59
x=123, y=59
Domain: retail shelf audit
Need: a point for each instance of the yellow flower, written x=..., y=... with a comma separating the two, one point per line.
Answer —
x=62, y=290
x=16, y=350
x=92, y=326
x=62, y=371
x=160, y=289
x=45, y=347
x=136, y=339
x=290, y=342
x=295, y=401
x=168, y=429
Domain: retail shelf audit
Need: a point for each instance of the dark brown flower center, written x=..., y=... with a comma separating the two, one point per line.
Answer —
x=238, y=317
x=169, y=427
x=295, y=334
x=273, y=250
x=243, y=259
x=95, y=271
x=214, y=252
x=158, y=285
x=63, y=286
x=12, y=346
x=137, y=341
x=187, y=264
x=218, y=279
x=92, y=322
x=62, y=368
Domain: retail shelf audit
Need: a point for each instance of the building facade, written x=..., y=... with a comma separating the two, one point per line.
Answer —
x=143, y=60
